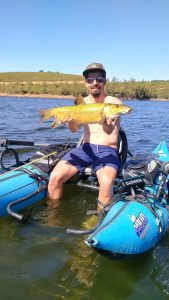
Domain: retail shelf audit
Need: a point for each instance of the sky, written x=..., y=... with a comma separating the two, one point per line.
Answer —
x=129, y=37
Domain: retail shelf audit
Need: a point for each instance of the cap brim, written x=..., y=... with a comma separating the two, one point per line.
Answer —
x=93, y=70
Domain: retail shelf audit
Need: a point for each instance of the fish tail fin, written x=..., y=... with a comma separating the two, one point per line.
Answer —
x=44, y=115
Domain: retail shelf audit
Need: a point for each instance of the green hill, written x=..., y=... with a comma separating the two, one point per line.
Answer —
x=37, y=76
x=59, y=84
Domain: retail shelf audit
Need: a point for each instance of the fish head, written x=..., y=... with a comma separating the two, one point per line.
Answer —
x=116, y=109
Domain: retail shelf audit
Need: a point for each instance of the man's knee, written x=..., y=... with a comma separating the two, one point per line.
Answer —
x=106, y=180
x=56, y=177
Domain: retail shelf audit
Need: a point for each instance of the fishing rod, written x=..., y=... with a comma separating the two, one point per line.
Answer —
x=6, y=142
x=31, y=162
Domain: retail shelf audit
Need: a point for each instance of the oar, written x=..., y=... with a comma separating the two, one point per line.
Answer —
x=31, y=162
x=6, y=142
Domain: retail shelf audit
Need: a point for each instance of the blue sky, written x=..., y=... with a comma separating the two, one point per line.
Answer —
x=130, y=37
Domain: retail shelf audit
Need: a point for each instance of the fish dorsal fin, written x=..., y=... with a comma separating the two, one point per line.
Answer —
x=79, y=100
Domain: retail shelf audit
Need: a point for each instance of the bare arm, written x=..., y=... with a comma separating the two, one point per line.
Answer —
x=73, y=126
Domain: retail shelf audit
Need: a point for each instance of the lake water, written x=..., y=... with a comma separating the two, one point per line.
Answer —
x=39, y=261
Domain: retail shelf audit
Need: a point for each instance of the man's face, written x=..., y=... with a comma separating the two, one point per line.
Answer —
x=95, y=83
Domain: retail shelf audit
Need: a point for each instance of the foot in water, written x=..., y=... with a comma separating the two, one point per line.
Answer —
x=90, y=222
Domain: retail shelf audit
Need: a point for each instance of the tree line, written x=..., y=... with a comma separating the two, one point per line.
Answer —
x=51, y=83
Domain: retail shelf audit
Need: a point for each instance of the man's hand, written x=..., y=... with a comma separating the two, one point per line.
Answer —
x=72, y=125
x=111, y=121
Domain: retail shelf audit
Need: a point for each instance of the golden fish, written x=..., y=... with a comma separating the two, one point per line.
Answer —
x=84, y=113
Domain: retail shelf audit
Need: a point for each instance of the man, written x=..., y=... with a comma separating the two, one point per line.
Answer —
x=99, y=147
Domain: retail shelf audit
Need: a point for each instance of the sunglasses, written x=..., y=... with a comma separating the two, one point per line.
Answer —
x=98, y=79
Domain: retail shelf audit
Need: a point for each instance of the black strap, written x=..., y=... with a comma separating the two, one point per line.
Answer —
x=36, y=176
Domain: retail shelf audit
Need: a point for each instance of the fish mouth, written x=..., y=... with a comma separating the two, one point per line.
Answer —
x=127, y=111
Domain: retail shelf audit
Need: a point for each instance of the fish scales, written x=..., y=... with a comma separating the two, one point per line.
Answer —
x=81, y=113
x=84, y=113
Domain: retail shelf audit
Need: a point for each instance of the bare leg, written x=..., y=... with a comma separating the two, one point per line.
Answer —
x=106, y=177
x=60, y=174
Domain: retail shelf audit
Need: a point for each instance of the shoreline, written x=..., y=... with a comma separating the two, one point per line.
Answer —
x=62, y=97
x=37, y=96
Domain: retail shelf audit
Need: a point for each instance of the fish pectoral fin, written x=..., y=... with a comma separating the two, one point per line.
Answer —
x=102, y=120
x=79, y=100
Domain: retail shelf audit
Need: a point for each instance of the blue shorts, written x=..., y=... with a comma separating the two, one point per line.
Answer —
x=97, y=156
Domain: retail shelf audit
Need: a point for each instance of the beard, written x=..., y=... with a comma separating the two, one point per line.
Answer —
x=95, y=92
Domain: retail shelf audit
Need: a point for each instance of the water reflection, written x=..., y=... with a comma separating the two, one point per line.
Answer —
x=51, y=224
x=160, y=272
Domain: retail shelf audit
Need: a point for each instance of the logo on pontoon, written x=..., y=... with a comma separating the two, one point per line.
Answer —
x=140, y=224
x=133, y=181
